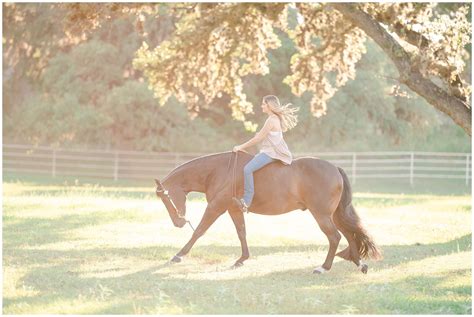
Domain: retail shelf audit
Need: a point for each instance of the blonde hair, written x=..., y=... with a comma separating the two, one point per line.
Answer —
x=286, y=113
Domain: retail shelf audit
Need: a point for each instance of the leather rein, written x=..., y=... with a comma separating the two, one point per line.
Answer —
x=178, y=213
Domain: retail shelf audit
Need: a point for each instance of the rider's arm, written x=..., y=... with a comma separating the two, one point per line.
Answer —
x=260, y=135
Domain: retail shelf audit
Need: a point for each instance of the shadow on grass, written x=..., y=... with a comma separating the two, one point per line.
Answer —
x=393, y=254
x=288, y=291
x=56, y=279
x=38, y=231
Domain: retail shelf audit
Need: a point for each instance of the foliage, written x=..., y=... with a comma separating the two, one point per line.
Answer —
x=61, y=122
x=86, y=92
x=198, y=66
x=91, y=96
x=31, y=37
x=436, y=40
x=327, y=44
x=211, y=50
x=136, y=121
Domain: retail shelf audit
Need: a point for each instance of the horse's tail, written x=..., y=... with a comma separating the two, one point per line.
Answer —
x=347, y=218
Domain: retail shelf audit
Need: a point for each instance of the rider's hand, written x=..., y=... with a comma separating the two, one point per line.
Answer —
x=236, y=148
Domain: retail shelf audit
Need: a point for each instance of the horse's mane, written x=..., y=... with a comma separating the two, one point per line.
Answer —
x=179, y=167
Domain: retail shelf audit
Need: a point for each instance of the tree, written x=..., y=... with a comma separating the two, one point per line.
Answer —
x=214, y=46
x=89, y=95
x=81, y=89
x=26, y=49
x=439, y=58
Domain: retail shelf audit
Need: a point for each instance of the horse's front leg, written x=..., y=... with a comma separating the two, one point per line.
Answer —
x=213, y=211
x=239, y=222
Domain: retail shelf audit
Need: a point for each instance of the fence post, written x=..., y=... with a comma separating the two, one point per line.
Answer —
x=116, y=166
x=53, y=172
x=412, y=161
x=354, y=158
x=467, y=169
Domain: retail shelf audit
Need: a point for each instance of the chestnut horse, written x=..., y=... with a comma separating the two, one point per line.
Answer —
x=308, y=183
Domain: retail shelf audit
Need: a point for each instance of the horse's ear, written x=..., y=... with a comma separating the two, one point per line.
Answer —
x=157, y=182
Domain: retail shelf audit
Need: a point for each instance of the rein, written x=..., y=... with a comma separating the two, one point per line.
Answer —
x=165, y=192
x=234, y=190
x=233, y=171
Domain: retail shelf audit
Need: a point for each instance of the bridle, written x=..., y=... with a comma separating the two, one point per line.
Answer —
x=178, y=213
x=164, y=192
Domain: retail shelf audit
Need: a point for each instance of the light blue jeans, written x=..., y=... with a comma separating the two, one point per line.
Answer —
x=259, y=161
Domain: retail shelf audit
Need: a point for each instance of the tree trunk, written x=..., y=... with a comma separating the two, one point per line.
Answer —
x=454, y=107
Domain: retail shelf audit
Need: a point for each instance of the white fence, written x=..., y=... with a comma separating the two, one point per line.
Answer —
x=142, y=165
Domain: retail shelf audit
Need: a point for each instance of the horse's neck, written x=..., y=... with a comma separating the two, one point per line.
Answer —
x=194, y=175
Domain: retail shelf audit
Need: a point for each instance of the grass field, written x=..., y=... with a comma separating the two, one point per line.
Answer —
x=88, y=247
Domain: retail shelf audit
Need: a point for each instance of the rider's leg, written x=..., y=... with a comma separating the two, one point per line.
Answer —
x=259, y=161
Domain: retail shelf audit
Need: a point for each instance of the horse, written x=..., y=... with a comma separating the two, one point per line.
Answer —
x=308, y=183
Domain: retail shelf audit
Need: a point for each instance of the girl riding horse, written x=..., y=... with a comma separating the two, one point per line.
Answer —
x=273, y=147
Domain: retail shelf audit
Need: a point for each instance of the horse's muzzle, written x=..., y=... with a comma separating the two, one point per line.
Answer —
x=179, y=223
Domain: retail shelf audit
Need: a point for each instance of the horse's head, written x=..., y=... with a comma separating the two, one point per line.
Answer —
x=175, y=202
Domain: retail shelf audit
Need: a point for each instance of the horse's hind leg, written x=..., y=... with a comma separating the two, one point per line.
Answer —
x=239, y=222
x=328, y=227
x=351, y=253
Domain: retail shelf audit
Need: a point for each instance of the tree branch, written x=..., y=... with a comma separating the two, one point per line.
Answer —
x=455, y=108
x=418, y=40
x=412, y=37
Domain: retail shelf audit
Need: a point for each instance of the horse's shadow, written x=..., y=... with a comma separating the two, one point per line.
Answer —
x=393, y=255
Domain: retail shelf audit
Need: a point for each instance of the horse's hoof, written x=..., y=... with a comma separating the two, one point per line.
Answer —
x=176, y=259
x=364, y=268
x=237, y=265
x=319, y=270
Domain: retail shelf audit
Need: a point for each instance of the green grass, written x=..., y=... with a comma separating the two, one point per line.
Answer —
x=100, y=247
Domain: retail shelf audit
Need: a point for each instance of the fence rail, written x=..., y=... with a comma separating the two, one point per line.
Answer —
x=141, y=165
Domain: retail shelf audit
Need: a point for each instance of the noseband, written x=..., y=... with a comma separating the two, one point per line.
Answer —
x=165, y=192
x=179, y=214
